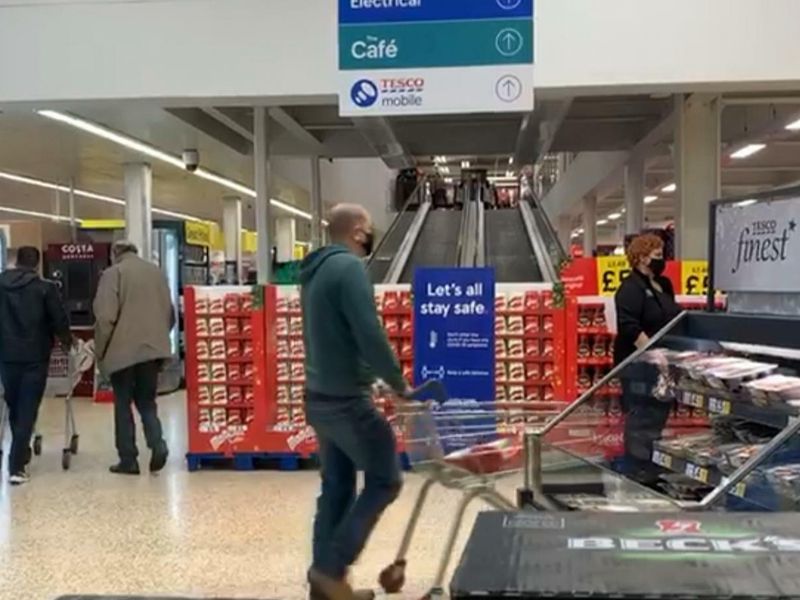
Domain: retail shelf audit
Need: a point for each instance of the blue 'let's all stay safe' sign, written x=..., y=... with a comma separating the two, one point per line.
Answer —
x=454, y=331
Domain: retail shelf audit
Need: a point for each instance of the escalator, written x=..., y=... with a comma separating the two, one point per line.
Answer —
x=508, y=247
x=381, y=261
x=437, y=244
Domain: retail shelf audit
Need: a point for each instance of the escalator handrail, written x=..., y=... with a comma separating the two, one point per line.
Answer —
x=420, y=189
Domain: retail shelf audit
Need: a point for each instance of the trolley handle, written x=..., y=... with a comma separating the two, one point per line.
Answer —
x=432, y=389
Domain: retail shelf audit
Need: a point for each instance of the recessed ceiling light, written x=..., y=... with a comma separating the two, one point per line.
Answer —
x=511, y=160
x=614, y=216
x=669, y=188
x=748, y=202
x=650, y=199
x=448, y=180
x=465, y=164
x=38, y=215
x=748, y=150
x=603, y=222
x=794, y=126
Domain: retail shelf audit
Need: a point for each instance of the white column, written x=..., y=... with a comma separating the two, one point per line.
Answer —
x=232, y=232
x=263, y=171
x=697, y=170
x=634, y=196
x=316, y=204
x=589, y=226
x=138, y=207
x=565, y=231
x=285, y=238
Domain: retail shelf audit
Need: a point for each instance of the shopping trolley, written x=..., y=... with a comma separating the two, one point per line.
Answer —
x=66, y=370
x=461, y=446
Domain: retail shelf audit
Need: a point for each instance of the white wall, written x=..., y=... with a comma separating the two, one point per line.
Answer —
x=243, y=49
x=366, y=181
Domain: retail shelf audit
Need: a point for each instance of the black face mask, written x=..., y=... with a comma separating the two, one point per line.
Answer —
x=369, y=243
x=657, y=266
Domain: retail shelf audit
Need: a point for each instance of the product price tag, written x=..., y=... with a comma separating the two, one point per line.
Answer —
x=719, y=407
x=693, y=400
x=697, y=472
x=662, y=460
x=611, y=272
x=694, y=277
x=740, y=489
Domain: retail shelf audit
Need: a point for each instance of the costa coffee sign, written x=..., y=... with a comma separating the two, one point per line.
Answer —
x=757, y=247
x=77, y=251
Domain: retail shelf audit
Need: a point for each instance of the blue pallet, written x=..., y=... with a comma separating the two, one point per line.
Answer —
x=248, y=461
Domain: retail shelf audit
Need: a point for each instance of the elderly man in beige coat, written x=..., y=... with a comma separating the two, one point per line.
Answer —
x=133, y=319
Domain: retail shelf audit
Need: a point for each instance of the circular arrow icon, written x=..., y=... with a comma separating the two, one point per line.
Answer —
x=508, y=4
x=508, y=88
x=509, y=42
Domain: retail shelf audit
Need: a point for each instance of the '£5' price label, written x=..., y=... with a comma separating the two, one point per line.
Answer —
x=697, y=472
x=662, y=460
x=611, y=272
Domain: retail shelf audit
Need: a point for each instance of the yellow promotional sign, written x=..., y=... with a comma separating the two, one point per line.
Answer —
x=102, y=224
x=249, y=242
x=694, y=277
x=198, y=234
x=611, y=272
x=217, y=238
x=300, y=251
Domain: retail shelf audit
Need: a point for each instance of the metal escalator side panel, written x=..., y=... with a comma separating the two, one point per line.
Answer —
x=543, y=258
x=401, y=258
x=436, y=244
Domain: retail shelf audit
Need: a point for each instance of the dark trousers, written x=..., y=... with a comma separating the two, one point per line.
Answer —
x=24, y=385
x=645, y=420
x=353, y=436
x=138, y=385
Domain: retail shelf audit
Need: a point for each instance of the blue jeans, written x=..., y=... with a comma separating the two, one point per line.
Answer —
x=23, y=385
x=353, y=436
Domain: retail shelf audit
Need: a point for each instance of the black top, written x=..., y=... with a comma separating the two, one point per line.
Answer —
x=31, y=317
x=641, y=308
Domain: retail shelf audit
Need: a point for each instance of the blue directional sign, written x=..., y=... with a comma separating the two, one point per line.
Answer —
x=395, y=11
x=454, y=331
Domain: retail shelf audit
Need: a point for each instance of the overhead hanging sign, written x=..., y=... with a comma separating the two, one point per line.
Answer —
x=405, y=57
x=757, y=247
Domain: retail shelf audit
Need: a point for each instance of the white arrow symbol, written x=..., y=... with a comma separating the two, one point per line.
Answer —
x=509, y=42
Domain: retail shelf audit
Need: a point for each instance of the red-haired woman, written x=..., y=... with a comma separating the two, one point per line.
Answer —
x=645, y=303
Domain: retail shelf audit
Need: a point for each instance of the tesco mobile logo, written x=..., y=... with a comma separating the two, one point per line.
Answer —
x=364, y=93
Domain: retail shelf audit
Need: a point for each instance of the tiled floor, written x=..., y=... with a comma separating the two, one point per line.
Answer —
x=200, y=534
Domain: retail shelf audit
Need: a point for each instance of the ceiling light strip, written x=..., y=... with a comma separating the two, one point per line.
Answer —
x=33, y=213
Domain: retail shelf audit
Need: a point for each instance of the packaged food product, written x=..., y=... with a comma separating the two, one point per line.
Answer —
x=533, y=371
x=599, y=319
x=406, y=328
x=391, y=325
x=216, y=326
x=406, y=349
x=247, y=349
x=532, y=325
x=732, y=376
x=533, y=394
x=516, y=393
x=201, y=327
x=234, y=418
x=282, y=348
x=204, y=420
x=232, y=326
x=585, y=317
x=281, y=326
x=548, y=348
x=234, y=372
x=218, y=372
x=246, y=326
x=203, y=394
x=584, y=347
x=282, y=304
x=232, y=303
x=547, y=300
x=294, y=303
x=599, y=348
x=297, y=394
x=217, y=349
x=774, y=388
x=532, y=348
x=548, y=370
x=379, y=302
x=548, y=395
x=547, y=323
x=283, y=371
x=201, y=305
x=203, y=372
x=500, y=374
x=391, y=302
x=296, y=326
x=246, y=302
x=282, y=394
x=499, y=348
x=248, y=394
x=203, y=351
x=408, y=372
x=515, y=325
x=516, y=372
x=515, y=348
x=234, y=395
x=500, y=325
x=216, y=306
x=298, y=372
x=516, y=302
x=405, y=301
x=500, y=303
x=219, y=394
x=533, y=302
x=249, y=415
x=500, y=394
x=584, y=379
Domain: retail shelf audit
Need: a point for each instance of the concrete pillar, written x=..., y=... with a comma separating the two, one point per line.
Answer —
x=285, y=238
x=138, y=207
x=697, y=170
x=232, y=233
x=634, y=196
x=316, y=204
x=564, y=229
x=589, y=226
x=263, y=172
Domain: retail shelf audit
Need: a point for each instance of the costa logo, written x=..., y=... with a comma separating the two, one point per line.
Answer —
x=402, y=85
x=77, y=249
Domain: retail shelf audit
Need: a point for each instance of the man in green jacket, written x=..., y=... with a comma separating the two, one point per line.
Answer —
x=346, y=349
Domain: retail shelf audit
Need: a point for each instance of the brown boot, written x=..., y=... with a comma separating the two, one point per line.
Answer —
x=330, y=588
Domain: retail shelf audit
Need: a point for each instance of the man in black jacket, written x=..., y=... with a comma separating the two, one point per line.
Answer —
x=31, y=318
